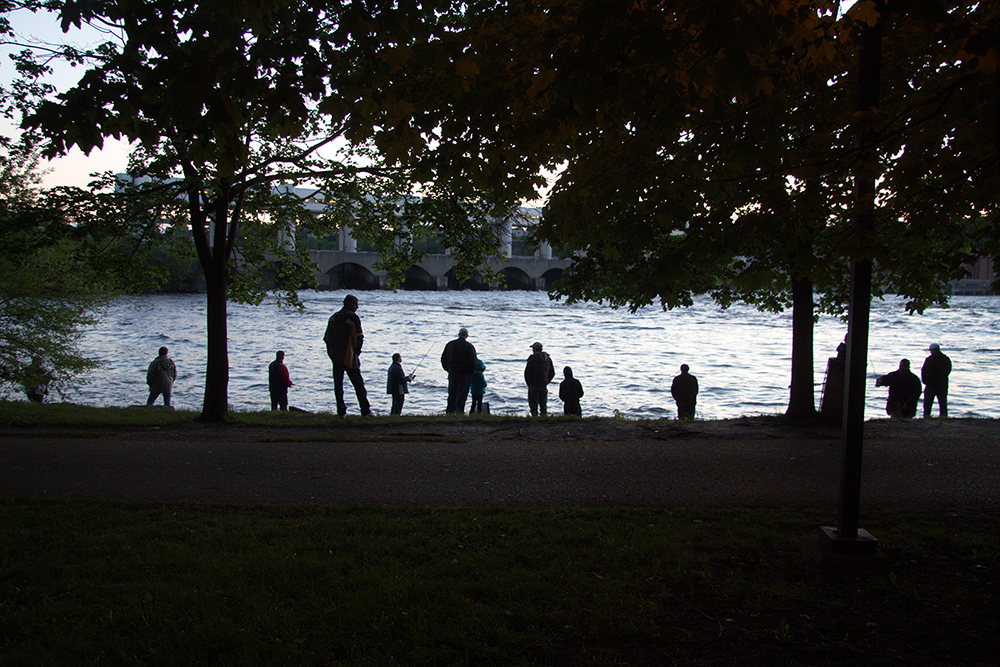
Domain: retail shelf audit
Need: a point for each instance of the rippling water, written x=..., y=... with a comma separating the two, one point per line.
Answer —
x=741, y=356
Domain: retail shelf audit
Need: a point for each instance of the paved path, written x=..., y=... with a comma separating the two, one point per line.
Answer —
x=434, y=466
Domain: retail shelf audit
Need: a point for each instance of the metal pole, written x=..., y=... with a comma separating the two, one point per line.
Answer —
x=852, y=442
x=848, y=537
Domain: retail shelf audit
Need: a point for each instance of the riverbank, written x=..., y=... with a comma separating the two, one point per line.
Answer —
x=264, y=457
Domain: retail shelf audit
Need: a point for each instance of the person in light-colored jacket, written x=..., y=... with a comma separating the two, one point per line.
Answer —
x=160, y=377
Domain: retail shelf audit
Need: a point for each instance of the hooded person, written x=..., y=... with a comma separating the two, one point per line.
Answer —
x=478, y=388
x=160, y=377
x=570, y=393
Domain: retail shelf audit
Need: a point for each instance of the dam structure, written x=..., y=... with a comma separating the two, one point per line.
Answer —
x=353, y=268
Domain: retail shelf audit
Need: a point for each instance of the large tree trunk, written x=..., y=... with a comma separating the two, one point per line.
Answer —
x=802, y=398
x=216, y=403
x=214, y=261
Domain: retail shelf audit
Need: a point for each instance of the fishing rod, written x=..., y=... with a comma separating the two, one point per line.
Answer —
x=414, y=371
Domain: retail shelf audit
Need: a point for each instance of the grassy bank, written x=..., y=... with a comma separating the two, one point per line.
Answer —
x=167, y=584
x=24, y=414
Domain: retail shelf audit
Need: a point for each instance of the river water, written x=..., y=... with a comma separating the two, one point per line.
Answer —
x=742, y=357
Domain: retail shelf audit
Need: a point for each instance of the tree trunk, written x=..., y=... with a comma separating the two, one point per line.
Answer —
x=802, y=398
x=216, y=403
x=215, y=264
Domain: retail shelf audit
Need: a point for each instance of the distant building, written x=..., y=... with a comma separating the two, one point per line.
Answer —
x=979, y=281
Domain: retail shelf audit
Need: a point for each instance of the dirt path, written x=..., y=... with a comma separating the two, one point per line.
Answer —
x=743, y=462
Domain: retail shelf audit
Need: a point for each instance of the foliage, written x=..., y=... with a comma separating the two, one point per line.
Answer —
x=732, y=126
x=56, y=271
x=711, y=146
x=230, y=109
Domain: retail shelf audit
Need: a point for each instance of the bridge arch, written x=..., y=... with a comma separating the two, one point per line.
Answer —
x=551, y=276
x=474, y=283
x=516, y=279
x=351, y=276
x=418, y=278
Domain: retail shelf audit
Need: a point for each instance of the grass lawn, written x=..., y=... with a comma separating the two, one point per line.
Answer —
x=130, y=583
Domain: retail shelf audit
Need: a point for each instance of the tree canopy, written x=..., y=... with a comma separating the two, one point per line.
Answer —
x=228, y=106
x=697, y=147
x=711, y=147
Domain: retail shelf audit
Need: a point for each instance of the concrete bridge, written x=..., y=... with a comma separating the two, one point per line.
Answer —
x=342, y=269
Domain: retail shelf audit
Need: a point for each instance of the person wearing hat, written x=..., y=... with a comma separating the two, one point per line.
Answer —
x=935, y=373
x=538, y=373
x=459, y=359
x=278, y=382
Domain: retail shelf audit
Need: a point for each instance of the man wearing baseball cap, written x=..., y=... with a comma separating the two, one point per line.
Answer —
x=934, y=374
x=538, y=373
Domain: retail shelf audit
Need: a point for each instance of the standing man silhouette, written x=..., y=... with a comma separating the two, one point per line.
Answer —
x=684, y=389
x=459, y=359
x=538, y=373
x=397, y=384
x=904, y=391
x=343, y=345
x=278, y=382
x=934, y=373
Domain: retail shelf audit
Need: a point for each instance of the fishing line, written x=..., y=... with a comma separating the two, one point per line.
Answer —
x=414, y=371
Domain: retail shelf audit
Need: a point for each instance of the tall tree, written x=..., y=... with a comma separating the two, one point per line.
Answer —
x=709, y=146
x=225, y=102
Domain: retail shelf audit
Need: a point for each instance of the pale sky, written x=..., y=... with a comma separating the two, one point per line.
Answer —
x=75, y=168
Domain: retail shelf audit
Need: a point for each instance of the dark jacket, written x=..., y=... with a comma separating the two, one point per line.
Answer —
x=396, y=382
x=936, y=369
x=277, y=377
x=538, y=371
x=570, y=393
x=684, y=389
x=459, y=356
x=904, y=392
x=344, y=338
